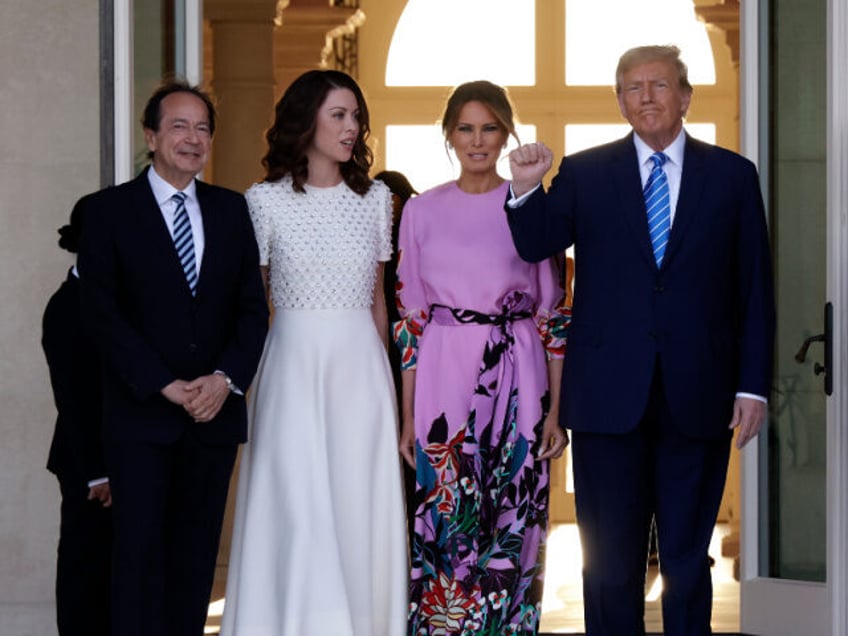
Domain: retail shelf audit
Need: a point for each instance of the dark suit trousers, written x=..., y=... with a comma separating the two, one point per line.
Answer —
x=620, y=482
x=168, y=510
x=82, y=566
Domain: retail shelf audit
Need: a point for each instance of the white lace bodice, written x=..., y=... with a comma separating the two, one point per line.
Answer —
x=321, y=246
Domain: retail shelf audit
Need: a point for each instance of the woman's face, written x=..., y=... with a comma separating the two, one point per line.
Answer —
x=477, y=139
x=336, y=128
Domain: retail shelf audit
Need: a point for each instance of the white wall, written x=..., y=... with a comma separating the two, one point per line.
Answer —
x=49, y=156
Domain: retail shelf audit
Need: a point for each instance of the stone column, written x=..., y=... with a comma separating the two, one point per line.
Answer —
x=242, y=79
x=239, y=40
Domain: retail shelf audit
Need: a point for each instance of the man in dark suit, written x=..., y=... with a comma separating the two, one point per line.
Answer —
x=173, y=296
x=670, y=345
x=76, y=458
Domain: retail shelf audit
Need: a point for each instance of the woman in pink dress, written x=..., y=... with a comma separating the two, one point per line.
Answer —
x=482, y=336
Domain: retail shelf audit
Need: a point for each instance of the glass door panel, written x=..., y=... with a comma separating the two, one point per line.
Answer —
x=796, y=528
x=786, y=593
x=158, y=44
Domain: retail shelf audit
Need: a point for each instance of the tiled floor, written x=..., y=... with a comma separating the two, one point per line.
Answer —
x=562, y=608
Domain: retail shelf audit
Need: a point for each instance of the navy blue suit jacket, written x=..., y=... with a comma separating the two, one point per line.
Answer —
x=707, y=314
x=149, y=328
x=76, y=452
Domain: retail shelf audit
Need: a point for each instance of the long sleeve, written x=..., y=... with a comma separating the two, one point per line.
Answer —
x=411, y=296
x=552, y=315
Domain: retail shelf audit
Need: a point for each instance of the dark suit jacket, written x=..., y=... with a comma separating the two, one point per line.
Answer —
x=707, y=314
x=76, y=452
x=149, y=328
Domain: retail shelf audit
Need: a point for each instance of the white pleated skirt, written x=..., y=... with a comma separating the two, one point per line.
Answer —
x=319, y=542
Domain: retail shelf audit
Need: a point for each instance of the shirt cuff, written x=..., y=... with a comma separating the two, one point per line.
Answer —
x=753, y=396
x=97, y=482
x=514, y=201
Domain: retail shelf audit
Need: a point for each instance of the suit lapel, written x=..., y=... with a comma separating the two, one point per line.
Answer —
x=628, y=183
x=692, y=183
x=153, y=226
x=211, y=234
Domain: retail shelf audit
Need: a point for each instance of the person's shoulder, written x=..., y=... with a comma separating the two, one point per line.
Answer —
x=719, y=155
x=219, y=192
x=62, y=302
x=436, y=193
x=262, y=189
x=379, y=189
x=603, y=152
x=103, y=202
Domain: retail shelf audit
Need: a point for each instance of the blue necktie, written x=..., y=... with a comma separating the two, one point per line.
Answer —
x=657, y=203
x=184, y=241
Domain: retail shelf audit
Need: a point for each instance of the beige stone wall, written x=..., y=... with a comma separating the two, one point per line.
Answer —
x=49, y=118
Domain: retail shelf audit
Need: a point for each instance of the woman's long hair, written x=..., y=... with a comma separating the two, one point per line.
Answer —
x=294, y=128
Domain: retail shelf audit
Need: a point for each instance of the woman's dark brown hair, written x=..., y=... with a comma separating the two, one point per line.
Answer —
x=294, y=128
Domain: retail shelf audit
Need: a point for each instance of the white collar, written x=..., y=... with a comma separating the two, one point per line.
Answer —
x=163, y=191
x=674, y=151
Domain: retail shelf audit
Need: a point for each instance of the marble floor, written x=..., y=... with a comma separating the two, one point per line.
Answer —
x=562, y=608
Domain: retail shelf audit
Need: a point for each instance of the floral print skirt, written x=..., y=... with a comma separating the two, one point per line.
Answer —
x=481, y=495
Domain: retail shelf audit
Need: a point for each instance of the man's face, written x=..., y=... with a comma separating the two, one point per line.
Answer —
x=181, y=145
x=654, y=103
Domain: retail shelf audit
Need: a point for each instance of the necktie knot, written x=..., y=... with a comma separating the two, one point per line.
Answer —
x=179, y=197
x=659, y=159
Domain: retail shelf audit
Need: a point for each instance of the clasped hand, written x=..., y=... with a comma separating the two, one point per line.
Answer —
x=201, y=398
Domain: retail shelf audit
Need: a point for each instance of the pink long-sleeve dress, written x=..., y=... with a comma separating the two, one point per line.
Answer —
x=478, y=324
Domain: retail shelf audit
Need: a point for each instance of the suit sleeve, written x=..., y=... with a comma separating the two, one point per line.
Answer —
x=75, y=381
x=241, y=355
x=123, y=350
x=754, y=292
x=542, y=224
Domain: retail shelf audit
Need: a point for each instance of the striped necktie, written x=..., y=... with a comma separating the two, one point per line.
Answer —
x=657, y=203
x=184, y=241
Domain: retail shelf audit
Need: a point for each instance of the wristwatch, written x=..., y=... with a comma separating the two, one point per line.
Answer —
x=231, y=387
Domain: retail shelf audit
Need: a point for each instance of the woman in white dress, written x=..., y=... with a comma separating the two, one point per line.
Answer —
x=319, y=544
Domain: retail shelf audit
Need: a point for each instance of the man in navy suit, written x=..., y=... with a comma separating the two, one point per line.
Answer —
x=670, y=345
x=76, y=458
x=180, y=327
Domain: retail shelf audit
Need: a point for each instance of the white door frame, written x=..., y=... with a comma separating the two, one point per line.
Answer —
x=837, y=286
x=774, y=607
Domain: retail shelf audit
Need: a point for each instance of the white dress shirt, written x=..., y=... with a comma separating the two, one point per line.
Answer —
x=162, y=192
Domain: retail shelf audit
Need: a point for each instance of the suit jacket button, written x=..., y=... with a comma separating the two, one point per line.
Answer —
x=659, y=289
x=652, y=334
x=192, y=347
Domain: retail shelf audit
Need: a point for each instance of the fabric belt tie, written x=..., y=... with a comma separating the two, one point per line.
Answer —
x=491, y=436
x=516, y=306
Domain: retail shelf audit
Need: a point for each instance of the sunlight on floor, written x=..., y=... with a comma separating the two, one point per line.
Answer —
x=562, y=603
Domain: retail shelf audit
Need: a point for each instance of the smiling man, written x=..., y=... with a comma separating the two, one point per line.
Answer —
x=174, y=301
x=670, y=344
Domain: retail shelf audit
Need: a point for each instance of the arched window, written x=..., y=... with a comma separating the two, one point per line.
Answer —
x=447, y=42
x=557, y=60
x=597, y=32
